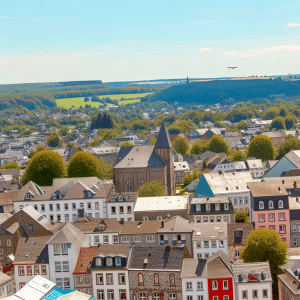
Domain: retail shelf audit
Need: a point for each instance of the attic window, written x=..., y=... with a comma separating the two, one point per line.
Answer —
x=89, y=194
x=237, y=187
x=226, y=188
x=28, y=196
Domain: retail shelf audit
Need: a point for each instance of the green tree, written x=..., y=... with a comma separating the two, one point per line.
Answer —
x=54, y=140
x=266, y=245
x=278, y=124
x=107, y=134
x=242, y=216
x=242, y=124
x=105, y=170
x=218, y=145
x=181, y=145
x=126, y=144
x=283, y=112
x=195, y=174
x=261, y=147
x=38, y=148
x=204, y=165
x=95, y=142
x=83, y=164
x=152, y=189
x=187, y=179
x=153, y=141
x=44, y=166
x=13, y=165
x=271, y=113
x=197, y=148
x=286, y=146
x=102, y=120
x=237, y=155
x=290, y=121
x=64, y=131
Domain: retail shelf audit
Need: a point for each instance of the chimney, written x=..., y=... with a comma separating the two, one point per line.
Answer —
x=162, y=224
x=282, y=181
x=295, y=184
x=279, y=188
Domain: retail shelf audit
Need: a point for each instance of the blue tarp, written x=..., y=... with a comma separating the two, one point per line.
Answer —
x=56, y=292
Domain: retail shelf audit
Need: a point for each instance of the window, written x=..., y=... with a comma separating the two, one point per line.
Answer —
x=261, y=218
x=271, y=217
x=159, y=218
x=205, y=219
x=73, y=206
x=122, y=294
x=122, y=278
x=270, y=204
x=66, y=206
x=1, y=253
x=58, y=207
x=81, y=205
x=156, y=296
x=281, y=216
x=65, y=265
x=150, y=239
x=59, y=282
x=137, y=239
x=225, y=284
x=189, y=297
x=172, y=296
x=8, y=243
x=21, y=271
x=206, y=244
x=115, y=239
x=199, y=285
x=218, y=218
x=44, y=270
x=121, y=209
x=172, y=280
x=125, y=239
x=109, y=278
x=110, y=294
x=57, y=266
x=141, y=183
x=198, y=207
x=214, y=284
x=58, y=218
x=281, y=228
x=66, y=283
x=207, y=206
x=74, y=216
x=97, y=205
x=129, y=185
x=105, y=239
x=28, y=196
x=156, y=279
x=140, y=279
x=241, y=200
x=189, y=286
x=213, y=244
x=198, y=219
x=237, y=254
x=142, y=296
x=265, y=293
x=29, y=271
x=117, y=261
x=255, y=294
x=235, y=200
x=36, y=270
x=129, y=210
x=221, y=243
x=200, y=297
x=22, y=284
x=99, y=279
x=226, y=206
x=198, y=244
x=21, y=207
x=100, y=295
x=96, y=240
x=113, y=210
x=226, y=298
x=246, y=200
x=43, y=207
x=294, y=228
x=244, y=294
x=280, y=204
x=89, y=205
x=261, y=205
x=109, y=261
x=145, y=218
x=211, y=218
x=294, y=242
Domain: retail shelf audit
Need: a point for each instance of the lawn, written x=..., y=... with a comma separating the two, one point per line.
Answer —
x=77, y=102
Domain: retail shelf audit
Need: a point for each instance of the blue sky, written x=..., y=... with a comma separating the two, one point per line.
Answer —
x=116, y=40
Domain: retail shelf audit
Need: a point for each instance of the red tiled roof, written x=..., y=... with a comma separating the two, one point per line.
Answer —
x=85, y=258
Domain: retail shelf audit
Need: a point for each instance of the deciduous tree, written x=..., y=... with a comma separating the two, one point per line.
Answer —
x=278, y=124
x=152, y=189
x=261, y=147
x=218, y=145
x=181, y=145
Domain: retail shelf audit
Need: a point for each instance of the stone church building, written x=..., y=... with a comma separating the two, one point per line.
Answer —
x=141, y=164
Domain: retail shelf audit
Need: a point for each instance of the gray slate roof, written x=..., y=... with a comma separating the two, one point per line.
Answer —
x=158, y=258
x=163, y=138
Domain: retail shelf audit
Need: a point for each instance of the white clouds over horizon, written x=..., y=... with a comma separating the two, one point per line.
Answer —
x=293, y=25
x=205, y=50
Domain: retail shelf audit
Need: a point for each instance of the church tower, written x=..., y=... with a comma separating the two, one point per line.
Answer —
x=164, y=149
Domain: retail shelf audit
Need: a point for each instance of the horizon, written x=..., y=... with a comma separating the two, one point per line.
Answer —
x=114, y=41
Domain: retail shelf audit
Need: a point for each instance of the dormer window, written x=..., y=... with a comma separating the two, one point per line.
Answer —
x=109, y=261
x=270, y=204
x=261, y=205
x=129, y=197
x=89, y=194
x=226, y=206
x=217, y=207
x=120, y=197
x=28, y=196
x=208, y=207
x=198, y=207
x=280, y=204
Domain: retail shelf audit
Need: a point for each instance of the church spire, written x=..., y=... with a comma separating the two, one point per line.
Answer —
x=187, y=80
x=163, y=139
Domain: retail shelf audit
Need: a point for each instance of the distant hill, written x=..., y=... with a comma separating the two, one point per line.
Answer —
x=219, y=90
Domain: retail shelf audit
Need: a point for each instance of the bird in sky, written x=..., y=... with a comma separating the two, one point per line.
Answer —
x=232, y=68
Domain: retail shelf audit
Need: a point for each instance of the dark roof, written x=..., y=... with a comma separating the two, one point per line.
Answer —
x=158, y=258
x=163, y=138
x=123, y=152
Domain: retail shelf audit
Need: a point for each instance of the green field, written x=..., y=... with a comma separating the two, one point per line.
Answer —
x=77, y=102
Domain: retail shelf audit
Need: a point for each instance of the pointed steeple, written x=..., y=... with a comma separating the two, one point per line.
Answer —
x=187, y=80
x=163, y=139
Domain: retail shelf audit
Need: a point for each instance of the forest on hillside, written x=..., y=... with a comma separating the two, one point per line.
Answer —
x=217, y=91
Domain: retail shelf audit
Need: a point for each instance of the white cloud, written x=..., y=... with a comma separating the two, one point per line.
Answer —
x=230, y=53
x=293, y=25
x=277, y=48
x=205, y=49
